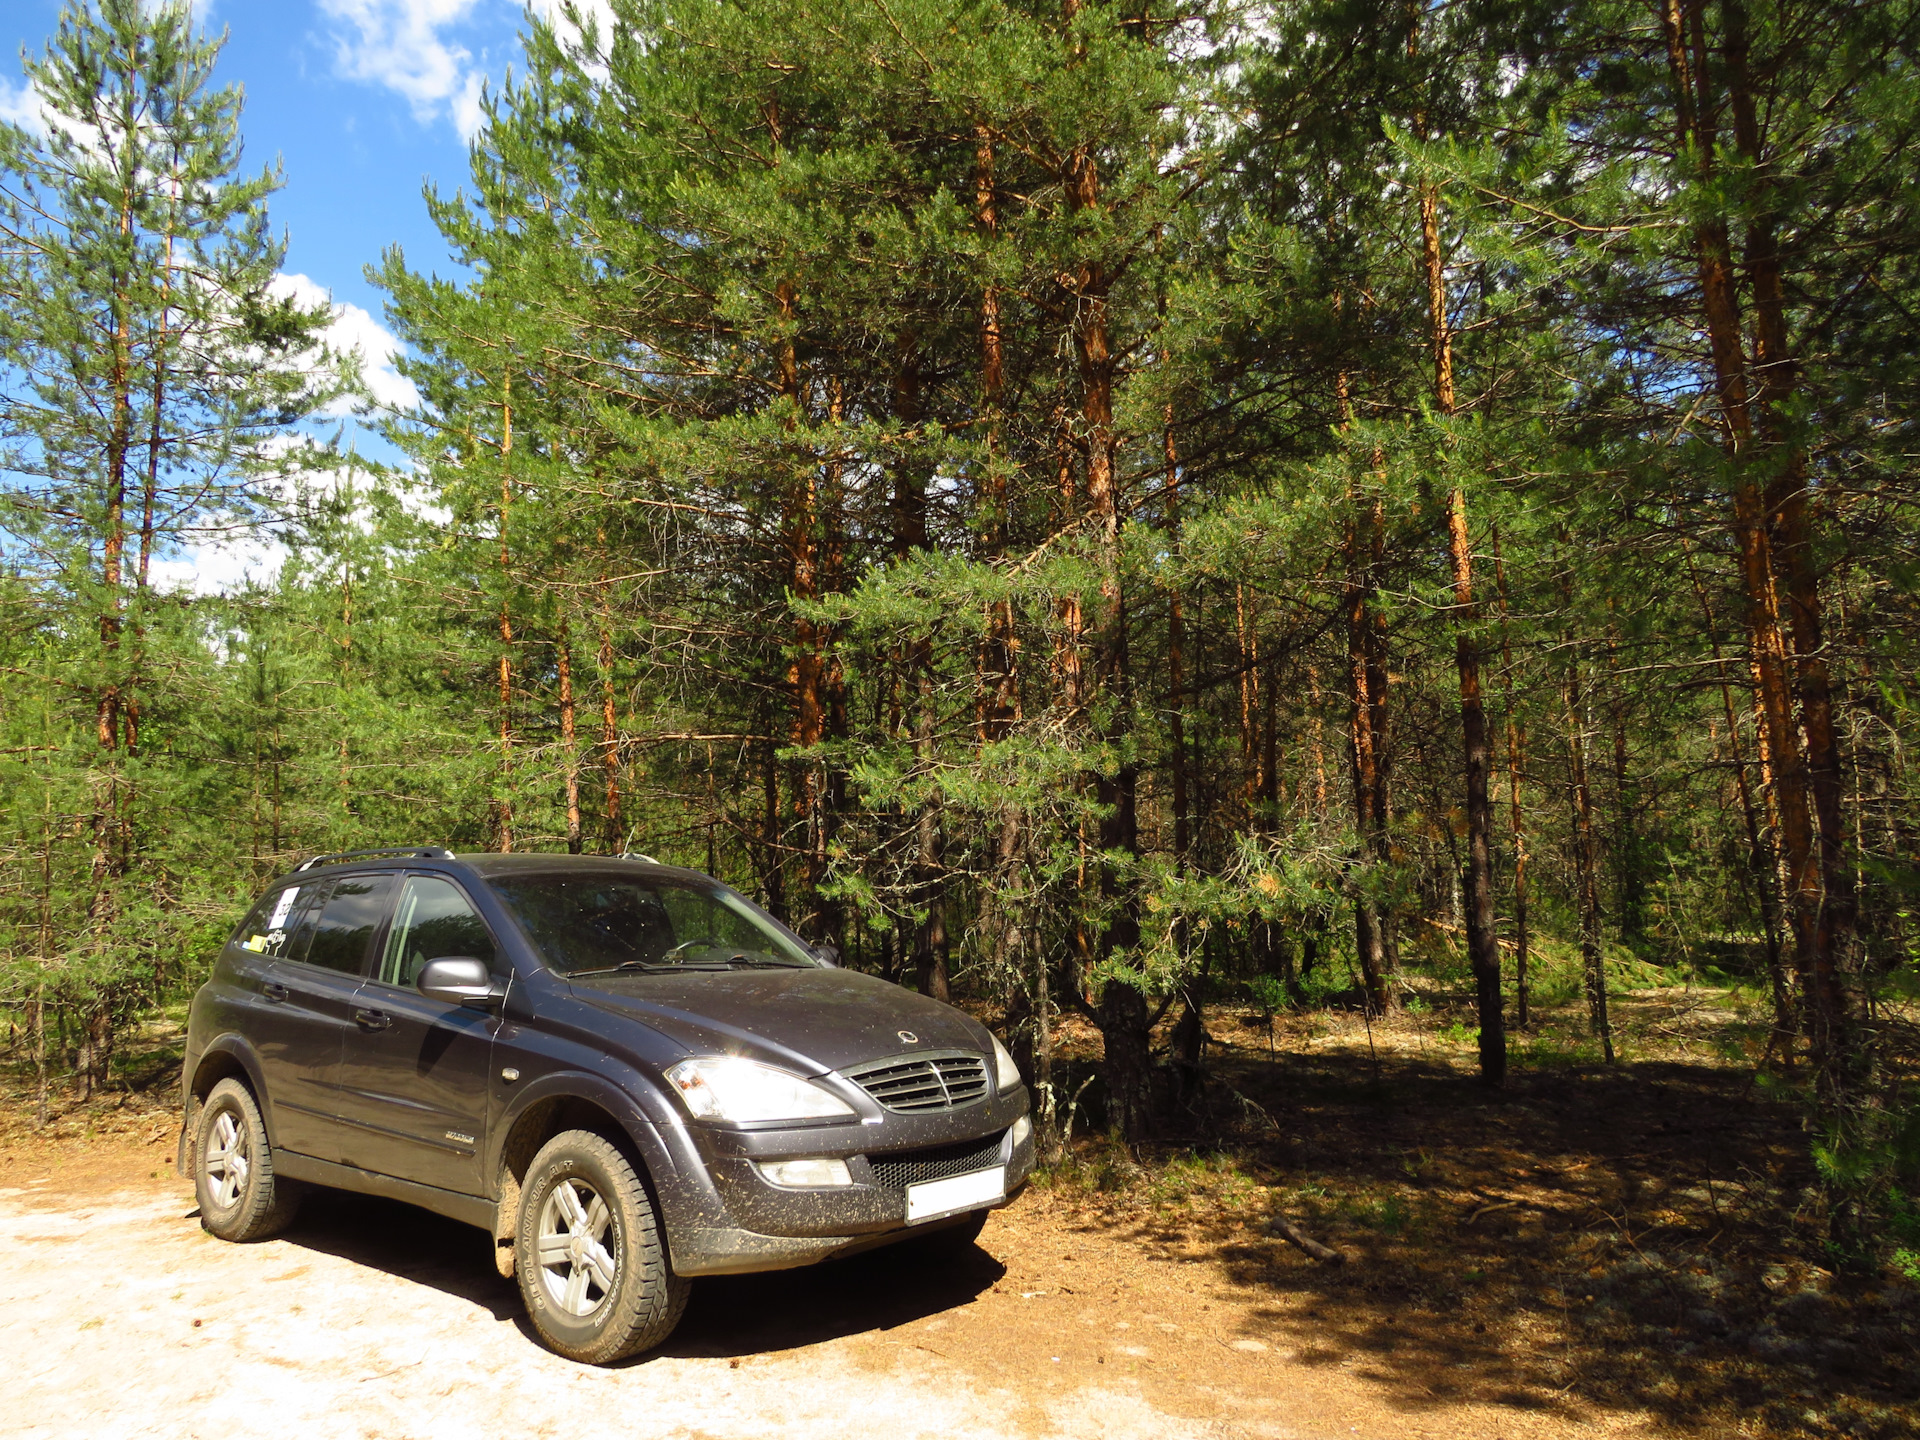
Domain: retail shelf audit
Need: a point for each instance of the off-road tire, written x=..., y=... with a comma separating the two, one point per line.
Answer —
x=262, y=1204
x=645, y=1300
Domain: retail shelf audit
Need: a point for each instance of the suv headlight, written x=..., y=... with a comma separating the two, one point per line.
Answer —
x=1006, y=1072
x=725, y=1087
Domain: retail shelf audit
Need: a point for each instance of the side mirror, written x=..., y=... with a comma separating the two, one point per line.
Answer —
x=457, y=980
x=828, y=955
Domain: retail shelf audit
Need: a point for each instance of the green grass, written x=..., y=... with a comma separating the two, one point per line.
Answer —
x=1555, y=1049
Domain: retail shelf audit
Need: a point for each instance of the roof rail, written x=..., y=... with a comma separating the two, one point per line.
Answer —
x=400, y=852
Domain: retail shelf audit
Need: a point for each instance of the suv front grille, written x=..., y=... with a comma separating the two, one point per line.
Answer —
x=913, y=1167
x=915, y=1084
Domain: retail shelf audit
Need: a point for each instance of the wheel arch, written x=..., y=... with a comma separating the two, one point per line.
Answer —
x=227, y=1056
x=556, y=1103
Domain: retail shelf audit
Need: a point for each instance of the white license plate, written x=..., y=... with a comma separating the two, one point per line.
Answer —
x=961, y=1192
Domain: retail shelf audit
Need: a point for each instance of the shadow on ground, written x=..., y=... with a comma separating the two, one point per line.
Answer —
x=784, y=1309
x=1635, y=1238
x=729, y=1315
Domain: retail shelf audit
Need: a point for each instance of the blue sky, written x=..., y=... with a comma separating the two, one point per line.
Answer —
x=362, y=102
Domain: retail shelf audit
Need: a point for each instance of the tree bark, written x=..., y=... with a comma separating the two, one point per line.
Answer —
x=1586, y=863
x=503, y=806
x=1483, y=943
x=611, y=837
x=1833, y=1005
x=999, y=685
x=1825, y=999
x=1123, y=1009
x=1516, y=767
x=1252, y=781
x=563, y=658
x=1763, y=868
x=1176, y=655
x=1369, y=941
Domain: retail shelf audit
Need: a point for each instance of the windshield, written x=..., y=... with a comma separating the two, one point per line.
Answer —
x=598, y=924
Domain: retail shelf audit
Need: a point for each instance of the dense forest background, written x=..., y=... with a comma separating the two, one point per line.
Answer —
x=1089, y=509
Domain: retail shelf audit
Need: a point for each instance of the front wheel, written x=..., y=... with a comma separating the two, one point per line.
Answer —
x=240, y=1197
x=592, y=1269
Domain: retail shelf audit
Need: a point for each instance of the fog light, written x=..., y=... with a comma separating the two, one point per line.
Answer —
x=812, y=1174
x=1022, y=1128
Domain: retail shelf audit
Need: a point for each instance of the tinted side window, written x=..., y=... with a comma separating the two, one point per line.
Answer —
x=345, y=929
x=433, y=920
x=299, y=922
x=276, y=919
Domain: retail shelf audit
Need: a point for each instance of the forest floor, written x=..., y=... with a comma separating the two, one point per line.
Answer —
x=1623, y=1251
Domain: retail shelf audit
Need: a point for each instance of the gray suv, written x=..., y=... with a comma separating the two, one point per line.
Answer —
x=627, y=1073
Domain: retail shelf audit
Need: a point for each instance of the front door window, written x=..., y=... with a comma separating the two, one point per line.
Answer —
x=432, y=921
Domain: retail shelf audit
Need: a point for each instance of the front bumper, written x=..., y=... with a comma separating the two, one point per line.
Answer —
x=762, y=1226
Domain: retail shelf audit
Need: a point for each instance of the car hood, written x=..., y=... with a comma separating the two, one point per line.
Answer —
x=818, y=1020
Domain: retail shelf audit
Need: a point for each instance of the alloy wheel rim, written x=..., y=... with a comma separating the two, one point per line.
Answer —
x=577, y=1269
x=229, y=1159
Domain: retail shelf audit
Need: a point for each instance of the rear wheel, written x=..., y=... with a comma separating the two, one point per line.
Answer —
x=241, y=1199
x=588, y=1255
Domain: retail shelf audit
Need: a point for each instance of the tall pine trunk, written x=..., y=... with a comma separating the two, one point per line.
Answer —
x=503, y=804
x=1369, y=924
x=1122, y=1010
x=1758, y=517
x=1483, y=943
x=1833, y=1005
x=569, y=744
x=1516, y=767
x=1586, y=861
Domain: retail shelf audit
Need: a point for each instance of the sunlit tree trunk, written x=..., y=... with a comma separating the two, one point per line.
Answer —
x=1483, y=943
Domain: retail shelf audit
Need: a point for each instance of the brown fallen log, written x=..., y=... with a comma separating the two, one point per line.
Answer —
x=1287, y=1230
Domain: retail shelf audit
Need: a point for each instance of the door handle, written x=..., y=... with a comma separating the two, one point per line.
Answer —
x=274, y=993
x=372, y=1019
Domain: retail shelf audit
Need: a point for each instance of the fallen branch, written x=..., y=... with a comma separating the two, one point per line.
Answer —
x=1287, y=1230
x=1250, y=1105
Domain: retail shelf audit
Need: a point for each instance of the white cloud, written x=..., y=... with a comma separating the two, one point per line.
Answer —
x=468, y=116
x=409, y=47
x=228, y=558
x=401, y=44
x=597, y=12
x=20, y=105
x=222, y=569
x=355, y=330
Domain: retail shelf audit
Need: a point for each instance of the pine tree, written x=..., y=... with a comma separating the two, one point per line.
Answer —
x=152, y=371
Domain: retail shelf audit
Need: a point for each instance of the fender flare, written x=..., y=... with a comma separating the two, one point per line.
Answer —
x=674, y=1173
x=617, y=1100
x=241, y=1051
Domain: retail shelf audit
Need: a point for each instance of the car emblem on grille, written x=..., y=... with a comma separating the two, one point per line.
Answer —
x=908, y=1037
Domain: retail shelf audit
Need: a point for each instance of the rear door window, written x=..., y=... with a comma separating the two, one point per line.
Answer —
x=347, y=923
x=433, y=920
x=275, y=927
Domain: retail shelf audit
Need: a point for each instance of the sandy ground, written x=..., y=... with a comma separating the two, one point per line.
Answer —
x=120, y=1317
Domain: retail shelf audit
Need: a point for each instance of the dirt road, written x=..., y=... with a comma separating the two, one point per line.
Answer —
x=121, y=1318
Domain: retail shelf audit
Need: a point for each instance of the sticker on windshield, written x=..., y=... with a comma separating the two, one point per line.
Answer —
x=282, y=906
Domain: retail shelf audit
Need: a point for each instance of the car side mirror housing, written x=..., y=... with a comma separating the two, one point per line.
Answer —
x=458, y=980
x=828, y=955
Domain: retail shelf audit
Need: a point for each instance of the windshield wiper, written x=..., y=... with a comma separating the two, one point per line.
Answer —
x=652, y=967
x=642, y=967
